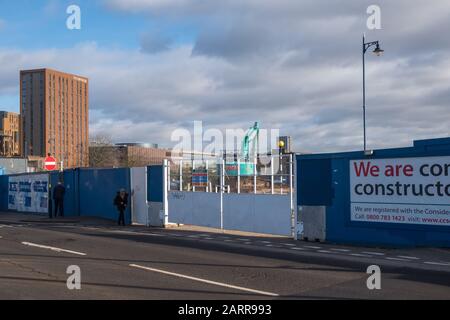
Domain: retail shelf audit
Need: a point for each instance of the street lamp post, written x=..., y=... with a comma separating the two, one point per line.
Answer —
x=378, y=51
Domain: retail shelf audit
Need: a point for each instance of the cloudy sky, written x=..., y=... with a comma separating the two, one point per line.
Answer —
x=158, y=65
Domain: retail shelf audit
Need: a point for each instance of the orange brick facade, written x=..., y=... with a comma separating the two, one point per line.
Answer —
x=9, y=134
x=54, y=109
x=117, y=156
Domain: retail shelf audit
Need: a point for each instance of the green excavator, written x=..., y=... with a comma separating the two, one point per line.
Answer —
x=249, y=151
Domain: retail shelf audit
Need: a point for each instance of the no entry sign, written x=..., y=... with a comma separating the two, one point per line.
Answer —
x=50, y=163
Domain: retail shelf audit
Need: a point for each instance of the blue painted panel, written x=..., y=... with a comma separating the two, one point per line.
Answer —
x=4, y=193
x=70, y=180
x=98, y=187
x=314, y=186
x=155, y=183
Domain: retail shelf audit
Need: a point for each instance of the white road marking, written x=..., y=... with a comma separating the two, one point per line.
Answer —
x=240, y=239
x=208, y=238
x=297, y=248
x=53, y=248
x=395, y=259
x=373, y=253
x=248, y=243
x=324, y=251
x=205, y=281
x=265, y=241
x=359, y=255
x=289, y=244
x=137, y=233
x=437, y=263
x=312, y=247
x=340, y=250
x=409, y=257
x=1, y=237
x=192, y=236
x=228, y=240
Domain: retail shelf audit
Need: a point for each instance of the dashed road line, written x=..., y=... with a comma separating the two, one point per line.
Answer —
x=30, y=244
x=324, y=251
x=359, y=255
x=373, y=253
x=313, y=247
x=288, y=244
x=297, y=248
x=138, y=233
x=395, y=259
x=437, y=263
x=265, y=293
x=340, y=250
x=409, y=257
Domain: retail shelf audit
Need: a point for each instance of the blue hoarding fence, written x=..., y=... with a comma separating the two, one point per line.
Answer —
x=388, y=217
x=155, y=183
x=89, y=192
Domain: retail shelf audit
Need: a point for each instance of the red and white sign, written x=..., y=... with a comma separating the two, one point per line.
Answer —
x=50, y=164
x=402, y=190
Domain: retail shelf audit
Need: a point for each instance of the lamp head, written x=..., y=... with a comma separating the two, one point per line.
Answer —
x=378, y=51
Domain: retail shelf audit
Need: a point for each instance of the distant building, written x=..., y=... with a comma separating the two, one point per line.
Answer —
x=9, y=134
x=54, y=109
x=13, y=165
x=126, y=155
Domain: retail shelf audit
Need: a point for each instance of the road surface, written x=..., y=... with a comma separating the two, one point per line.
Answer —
x=145, y=263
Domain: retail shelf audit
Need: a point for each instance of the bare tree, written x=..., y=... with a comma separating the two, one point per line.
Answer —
x=100, y=140
x=101, y=151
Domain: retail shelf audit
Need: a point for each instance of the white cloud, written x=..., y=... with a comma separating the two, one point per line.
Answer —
x=301, y=74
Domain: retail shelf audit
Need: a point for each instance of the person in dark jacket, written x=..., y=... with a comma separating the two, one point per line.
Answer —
x=121, y=202
x=58, y=196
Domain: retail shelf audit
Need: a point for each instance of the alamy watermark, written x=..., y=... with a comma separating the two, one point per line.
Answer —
x=74, y=279
x=73, y=22
x=374, y=280
x=213, y=142
x=374, y=19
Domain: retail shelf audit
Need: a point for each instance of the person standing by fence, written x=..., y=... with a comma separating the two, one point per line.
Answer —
x=121, y=202
x=58, y=196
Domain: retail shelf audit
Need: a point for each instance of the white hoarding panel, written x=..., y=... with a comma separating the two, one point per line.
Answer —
x=139, y=209
x=402, y=190
x=28, y=193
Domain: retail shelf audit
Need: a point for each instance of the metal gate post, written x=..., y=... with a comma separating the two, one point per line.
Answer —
x=291, y=187
x=255, y=162
x=222, y=185
x=130, y=172
x=166, y=183
x=147, y=205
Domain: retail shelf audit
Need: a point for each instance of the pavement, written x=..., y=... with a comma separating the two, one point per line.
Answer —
x=191, y=263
